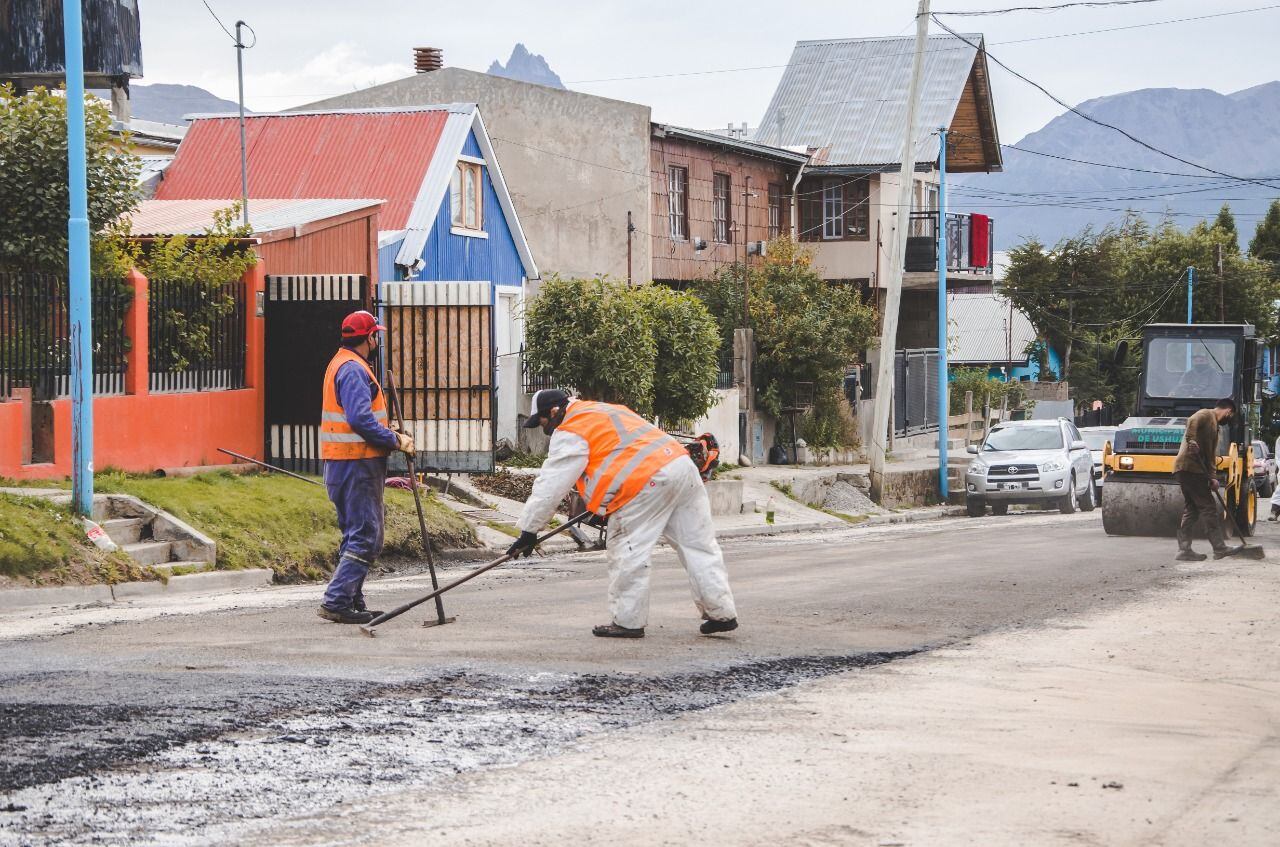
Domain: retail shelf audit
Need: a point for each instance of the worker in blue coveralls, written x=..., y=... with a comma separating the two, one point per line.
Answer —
x=354, y=443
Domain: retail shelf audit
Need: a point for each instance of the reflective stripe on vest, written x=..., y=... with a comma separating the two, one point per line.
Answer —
x=625, y=451
x=337, y=439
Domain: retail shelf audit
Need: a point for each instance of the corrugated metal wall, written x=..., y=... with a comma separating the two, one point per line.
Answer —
x=341, y=249
x=450, y=257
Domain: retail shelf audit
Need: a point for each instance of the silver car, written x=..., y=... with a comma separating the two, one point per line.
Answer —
x=1044, y=462
x=1097, y=437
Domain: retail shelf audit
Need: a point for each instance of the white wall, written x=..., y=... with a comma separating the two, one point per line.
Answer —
x=722, y=422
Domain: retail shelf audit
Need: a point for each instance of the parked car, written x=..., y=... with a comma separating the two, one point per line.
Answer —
x=1264, y=469
x=1044, y=461
x=1097, y=437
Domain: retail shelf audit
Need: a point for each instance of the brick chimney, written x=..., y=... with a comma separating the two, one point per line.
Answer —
x=426, y=59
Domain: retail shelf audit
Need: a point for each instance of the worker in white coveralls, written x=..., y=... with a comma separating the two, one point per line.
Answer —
x=644, y=482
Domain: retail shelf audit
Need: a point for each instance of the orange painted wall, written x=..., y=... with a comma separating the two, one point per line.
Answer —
x=141, y=432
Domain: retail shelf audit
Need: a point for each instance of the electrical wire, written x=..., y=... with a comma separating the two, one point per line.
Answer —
x=1064, y=104
x=1086, y=3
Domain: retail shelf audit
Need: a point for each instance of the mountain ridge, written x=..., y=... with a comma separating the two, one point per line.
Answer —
x=1049, y=198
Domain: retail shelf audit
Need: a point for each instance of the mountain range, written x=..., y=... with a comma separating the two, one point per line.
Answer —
x=1042, y=194
x=526, y=67
x=168, y=104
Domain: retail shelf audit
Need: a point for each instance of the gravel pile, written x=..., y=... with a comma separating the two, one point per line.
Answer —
x=848, y=500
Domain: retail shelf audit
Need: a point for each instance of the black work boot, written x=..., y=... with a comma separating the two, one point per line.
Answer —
x=1188, y=555
x=612, y=630
x=711, y=627
x=359, y=606
x=345, y=615
x=1224, y=552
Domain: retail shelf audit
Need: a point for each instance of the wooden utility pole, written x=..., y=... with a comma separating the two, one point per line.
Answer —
x=1222, y=307
x=897, y=261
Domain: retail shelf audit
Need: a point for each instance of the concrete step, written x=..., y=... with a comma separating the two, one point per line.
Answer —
x=184, y=567
x=150, y=552
x=124, y=530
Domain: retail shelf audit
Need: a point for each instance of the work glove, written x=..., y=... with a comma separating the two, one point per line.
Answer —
x=523, y=545
x=404, y=443
x=1214, y=485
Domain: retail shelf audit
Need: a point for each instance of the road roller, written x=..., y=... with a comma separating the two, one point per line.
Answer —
x=1185, y=368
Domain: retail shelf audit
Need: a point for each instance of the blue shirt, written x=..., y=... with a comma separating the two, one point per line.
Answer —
x=355, y=390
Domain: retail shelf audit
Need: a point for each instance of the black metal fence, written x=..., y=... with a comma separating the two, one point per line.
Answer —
x=724, y=376
x=916, y=380
x=534, y=382
x=35, y=335
x=196, y=336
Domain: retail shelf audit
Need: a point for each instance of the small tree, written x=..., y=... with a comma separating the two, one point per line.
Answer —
x=649, y=348
x=807, y=330
x=686, y=339
x=201, y=267
x=1265, y=244
x=1225, y=223
x=593, y=335
x=34, y=196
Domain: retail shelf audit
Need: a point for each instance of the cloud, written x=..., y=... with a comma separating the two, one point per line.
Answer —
x=335, y=70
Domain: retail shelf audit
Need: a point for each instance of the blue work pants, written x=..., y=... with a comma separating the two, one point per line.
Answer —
x=355, y=486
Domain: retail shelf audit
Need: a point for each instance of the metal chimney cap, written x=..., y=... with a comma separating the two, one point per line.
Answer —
x=426, y=59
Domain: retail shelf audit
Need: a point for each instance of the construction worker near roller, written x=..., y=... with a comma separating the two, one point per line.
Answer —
x=354, y=443
x=1199, y=453
x=643, y=481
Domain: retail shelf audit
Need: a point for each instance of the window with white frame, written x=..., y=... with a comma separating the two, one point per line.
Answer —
x=833, y=208
x=465, y=194
x=722, y=209
x=678, y=201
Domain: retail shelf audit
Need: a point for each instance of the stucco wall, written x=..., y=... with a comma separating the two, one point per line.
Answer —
x=575, y=163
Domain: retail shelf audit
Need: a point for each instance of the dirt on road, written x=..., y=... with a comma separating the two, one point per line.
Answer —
x=214, y=720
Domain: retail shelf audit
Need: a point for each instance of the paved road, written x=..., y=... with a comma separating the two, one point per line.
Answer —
x=198, y=720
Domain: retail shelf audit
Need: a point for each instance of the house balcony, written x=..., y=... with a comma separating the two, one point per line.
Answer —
x=969, y=253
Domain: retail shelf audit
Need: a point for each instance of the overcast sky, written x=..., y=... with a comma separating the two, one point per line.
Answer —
x=309, y=49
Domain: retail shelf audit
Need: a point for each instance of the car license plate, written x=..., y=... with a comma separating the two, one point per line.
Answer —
x=1012, y=486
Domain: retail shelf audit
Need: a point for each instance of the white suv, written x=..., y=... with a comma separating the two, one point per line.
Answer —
x=1031, y=462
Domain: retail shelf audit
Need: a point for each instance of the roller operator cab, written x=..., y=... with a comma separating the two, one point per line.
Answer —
x=1185, y=368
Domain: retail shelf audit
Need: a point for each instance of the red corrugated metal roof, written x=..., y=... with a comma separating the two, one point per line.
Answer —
x=382, y=155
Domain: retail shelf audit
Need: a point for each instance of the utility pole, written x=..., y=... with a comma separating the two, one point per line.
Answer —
x=1222, y=308
x=944, y=390
x=1191, y=286
x=897, y=260
x=630, y=229
x=1008, y=343
x=244, y=150
x=78, y=265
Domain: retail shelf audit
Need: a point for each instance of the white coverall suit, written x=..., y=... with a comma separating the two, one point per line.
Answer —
x=673, y=506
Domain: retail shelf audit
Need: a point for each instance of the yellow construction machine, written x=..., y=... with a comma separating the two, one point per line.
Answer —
x=1185, y=368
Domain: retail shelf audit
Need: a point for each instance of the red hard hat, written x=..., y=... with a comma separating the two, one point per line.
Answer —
x=360, y=324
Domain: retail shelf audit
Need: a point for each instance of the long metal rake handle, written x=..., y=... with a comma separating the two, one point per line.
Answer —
x=368, y=628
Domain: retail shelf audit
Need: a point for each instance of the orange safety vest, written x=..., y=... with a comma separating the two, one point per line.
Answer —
x=625, y=452
x=337, y=439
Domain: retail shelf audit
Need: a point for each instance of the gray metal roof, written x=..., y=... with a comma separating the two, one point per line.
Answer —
x=195, y=217
x=978, y=332
x=743, y=146
x=849, y=95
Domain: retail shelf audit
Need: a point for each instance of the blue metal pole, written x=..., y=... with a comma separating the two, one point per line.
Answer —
x=1191, y=284
x=78, y=264
x=944, y=387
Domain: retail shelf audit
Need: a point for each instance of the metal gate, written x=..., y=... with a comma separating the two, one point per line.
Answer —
x=303, y=315
x=440, y=348
x=915, y=391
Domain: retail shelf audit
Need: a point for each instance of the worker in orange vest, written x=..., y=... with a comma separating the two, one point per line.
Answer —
x=354, y=443
x=644, y=482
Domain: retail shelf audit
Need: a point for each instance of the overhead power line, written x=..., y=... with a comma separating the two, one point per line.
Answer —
x=1064, y=104
x=1093, y=5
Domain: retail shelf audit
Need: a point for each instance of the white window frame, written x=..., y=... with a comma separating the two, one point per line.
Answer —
x=833, y=209
x=467, y=184
x=678, y=203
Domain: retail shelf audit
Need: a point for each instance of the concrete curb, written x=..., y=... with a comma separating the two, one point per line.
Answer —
x=75, y=595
